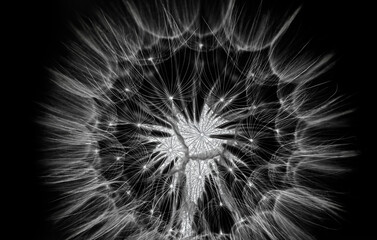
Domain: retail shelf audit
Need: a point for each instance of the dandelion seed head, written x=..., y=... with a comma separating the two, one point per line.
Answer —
x=185, y=158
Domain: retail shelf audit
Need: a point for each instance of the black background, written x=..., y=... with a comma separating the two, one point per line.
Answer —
x=35, y=31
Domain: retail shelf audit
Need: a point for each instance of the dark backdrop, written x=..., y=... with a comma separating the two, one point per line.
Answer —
x=36, y=30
